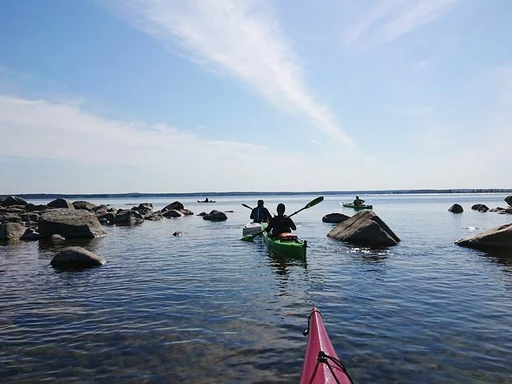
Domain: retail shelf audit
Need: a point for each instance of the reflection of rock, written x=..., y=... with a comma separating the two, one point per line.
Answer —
x=490, y=240
x=364, y=228
x=215, y=216
x=11, y=231
x=334, y=218
x=70, y=223
x=456, y=208
x=76, y=257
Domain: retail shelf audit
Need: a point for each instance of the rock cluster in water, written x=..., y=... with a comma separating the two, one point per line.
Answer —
x=20, y=220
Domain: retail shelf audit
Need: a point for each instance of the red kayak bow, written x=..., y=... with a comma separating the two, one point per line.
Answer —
x=321, y=363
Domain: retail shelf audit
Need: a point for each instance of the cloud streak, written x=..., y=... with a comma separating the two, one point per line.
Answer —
x=240, y=39
x=391, y=19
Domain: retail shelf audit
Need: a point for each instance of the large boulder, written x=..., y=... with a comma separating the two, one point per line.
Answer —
x=364, y=228
x=61, y=203
x=76, y=257
x=498, y=238
x=11, y=231
x=70, y=223
x=456, y=208
x=508, y=200
x=335, y=218
x=215, y=216
x=14, y=200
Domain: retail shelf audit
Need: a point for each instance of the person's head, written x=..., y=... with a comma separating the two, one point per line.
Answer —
x=260, y=203
x=357, y=197
x=280, y=209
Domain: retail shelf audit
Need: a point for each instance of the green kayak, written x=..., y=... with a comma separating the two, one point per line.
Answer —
x=357, y=207
x=288, y=244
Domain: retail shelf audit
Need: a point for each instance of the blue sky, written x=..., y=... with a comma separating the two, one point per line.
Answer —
x=116, y=96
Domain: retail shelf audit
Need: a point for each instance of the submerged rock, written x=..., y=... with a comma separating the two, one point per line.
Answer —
x=364, y=228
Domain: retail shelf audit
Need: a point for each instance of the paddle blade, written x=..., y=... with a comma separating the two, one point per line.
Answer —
x=248, y=238
x=319, y=199
x=312, y=203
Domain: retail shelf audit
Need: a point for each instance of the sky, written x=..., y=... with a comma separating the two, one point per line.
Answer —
x=172, y=96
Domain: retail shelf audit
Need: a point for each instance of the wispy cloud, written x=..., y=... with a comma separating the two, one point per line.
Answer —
x=68, y=134
x=391, y=19
x=240, y=39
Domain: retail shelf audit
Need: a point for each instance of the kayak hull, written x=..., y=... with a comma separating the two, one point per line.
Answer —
x=294, y=248
x=321, y=363
x=357, y=207
x=251, y=229
x=206, y=202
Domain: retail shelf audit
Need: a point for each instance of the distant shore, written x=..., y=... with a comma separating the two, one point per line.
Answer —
x=252, y=193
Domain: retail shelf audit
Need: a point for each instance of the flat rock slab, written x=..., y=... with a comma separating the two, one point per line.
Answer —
x=76, y=258
x=498, y=238
x=70, y=223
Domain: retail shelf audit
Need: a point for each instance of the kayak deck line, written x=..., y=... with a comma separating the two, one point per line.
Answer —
x=321, y=363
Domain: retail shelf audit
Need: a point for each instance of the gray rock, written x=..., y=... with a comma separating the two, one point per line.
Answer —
x=456, y=208
x=76, y=257
x=70, y=223
x=215, y=216
x=176, y=205
x=490, y=240
x=172, y=213
x=11, y=231
x=84, y=205
x=61, y=203
x=480, y=207
x=335, y=218
x=364, y=228
x=508, y=200
x=14, y=200
x=128, y=217
x=30, y=235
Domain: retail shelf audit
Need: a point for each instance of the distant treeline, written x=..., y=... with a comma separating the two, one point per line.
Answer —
x=216, y=194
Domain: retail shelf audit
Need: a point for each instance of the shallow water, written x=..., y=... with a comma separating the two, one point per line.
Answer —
x=206, y=307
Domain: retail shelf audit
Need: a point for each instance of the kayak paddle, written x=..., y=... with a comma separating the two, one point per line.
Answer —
x=246, y=206
x=308, y=205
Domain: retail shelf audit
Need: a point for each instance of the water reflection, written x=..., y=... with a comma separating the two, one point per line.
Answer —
x=281, y=262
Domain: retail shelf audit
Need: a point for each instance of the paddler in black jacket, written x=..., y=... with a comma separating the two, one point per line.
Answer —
x=280, y=223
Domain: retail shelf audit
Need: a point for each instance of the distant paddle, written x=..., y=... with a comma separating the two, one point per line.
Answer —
x=308, y=205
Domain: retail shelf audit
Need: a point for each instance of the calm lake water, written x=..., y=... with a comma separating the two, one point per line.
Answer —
x=207, y=307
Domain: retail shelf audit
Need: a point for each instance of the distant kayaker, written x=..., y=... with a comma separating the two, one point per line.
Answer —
x=358, y=201
x=280, y=223
x=206, y=200
x=260, y=213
